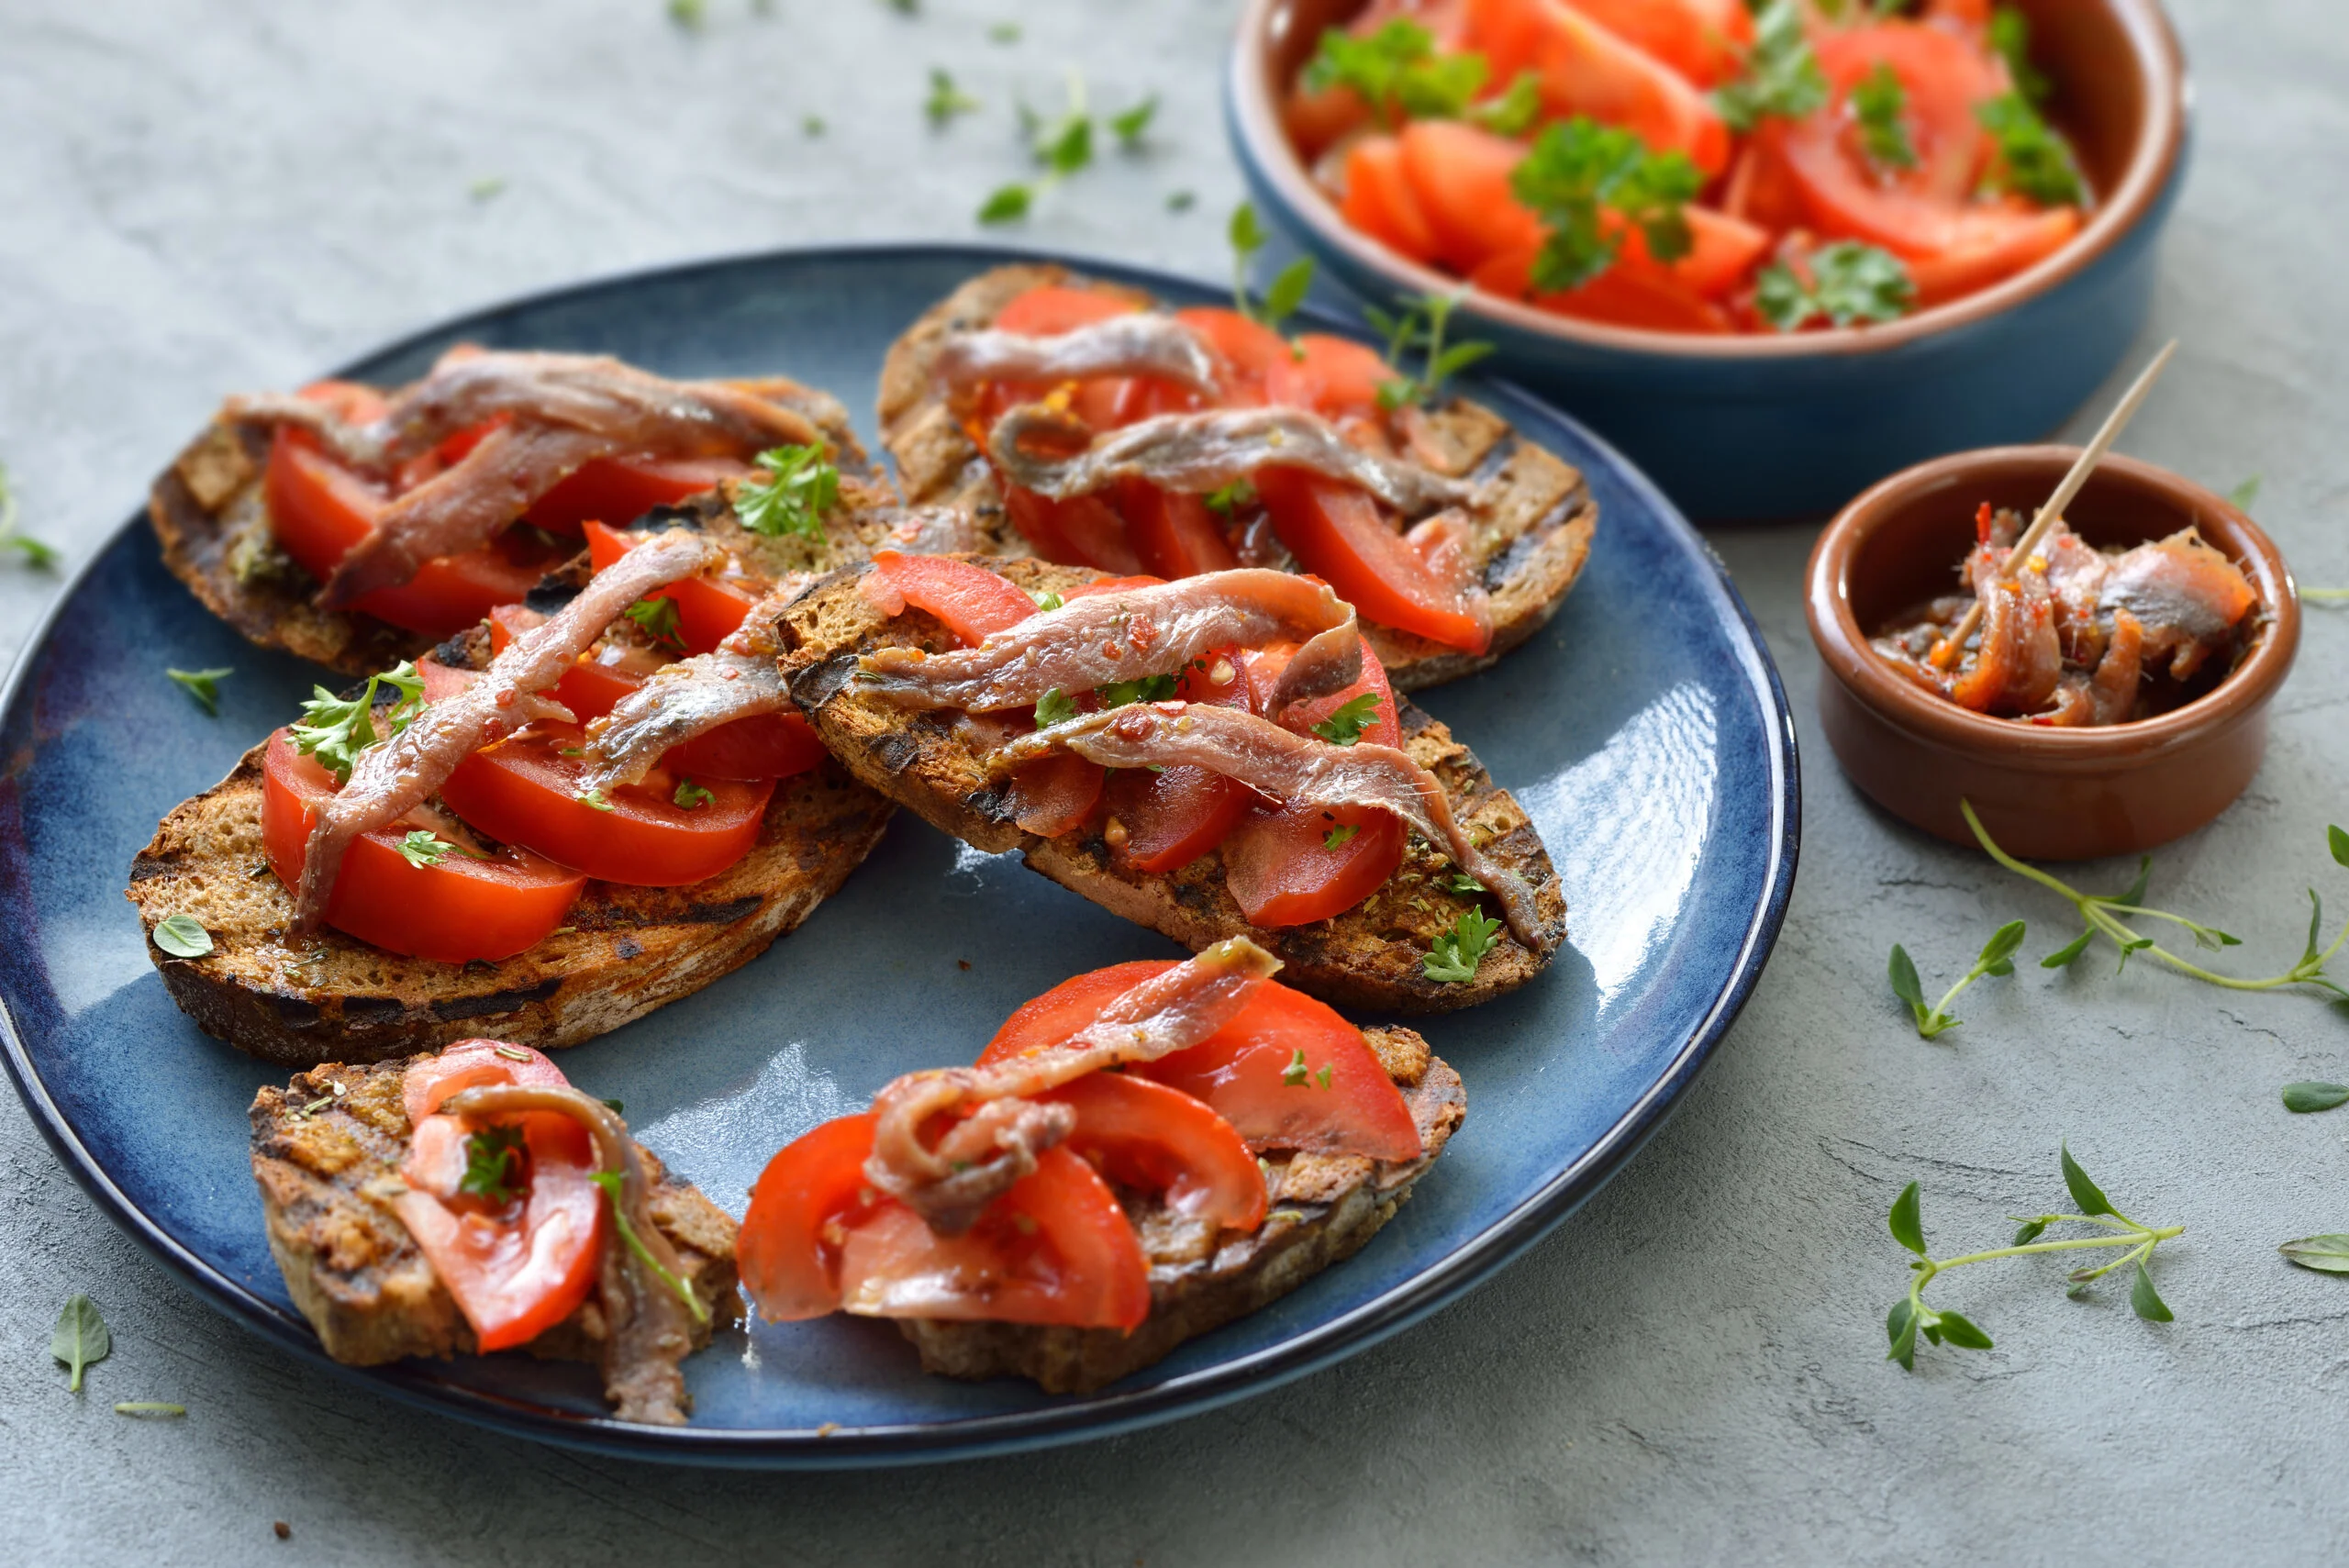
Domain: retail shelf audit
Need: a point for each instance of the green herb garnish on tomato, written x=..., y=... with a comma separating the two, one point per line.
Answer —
x=1849, y=282
x=1880, y=106
x=1581, y=168
x=1147, y=688
x=692, y=797
x=798, y=488
x=2009, y=37
x=2030, y=160
x=1338, y=838
x=1055, y=706
x=657, y=618
x=1782, y=76
x=336, y=730
x=1345, y=727
x=493, y=1159
x=421, y=848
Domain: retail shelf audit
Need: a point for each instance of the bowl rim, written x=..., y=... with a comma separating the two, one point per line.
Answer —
x=1264, y=149
x=1844, y=647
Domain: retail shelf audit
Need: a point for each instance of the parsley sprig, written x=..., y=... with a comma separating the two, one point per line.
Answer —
x=799, y=487
x=2010, y=35
x=1579, y=170
x=1420, y=324
x=1454, y=956
x=1398, y=72
x=421, y=848
x=1996, y=959
x=1144, y=688
x=494, y=1165
x=1055, y=706
x=2031, y=159
x=1880, y=106
x=1910, y=1316
x=1289, y=289
x=1345, y=726
x=2108, y=915
x=336, y=730
x=657, y=618
x=204, y=685
x=691, y=796
x=1781, y=77
x=1849, y=282
x=1063, y=145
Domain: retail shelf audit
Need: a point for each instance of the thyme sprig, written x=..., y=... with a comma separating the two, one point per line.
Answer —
x=1996, y=959
x=1288, y=290
x=2108, y=915
x=1420, y=324
x=1910, y=1316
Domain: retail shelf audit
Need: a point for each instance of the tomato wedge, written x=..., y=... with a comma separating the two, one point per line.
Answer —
x=518, y=1267
x=1460, y=176
x=619, y=490
x=1704, y=40
x=1380, y=201
x=1083, y=530
x=1337, y=533
x=1142, y=1134
x=1051, y=1018
x=1052, y=309
x=1175, y=533
x=1248, y=349
x=1990, y=244
x=1333, y=377
x=1167, y=820
x=1247, y=1073
x=1587, y=70
x=971, y=601
x=1625, y=295
x=524, y=790
x=708, y=611
x=1054, y=794
x=789, y=1247
x=455, y=911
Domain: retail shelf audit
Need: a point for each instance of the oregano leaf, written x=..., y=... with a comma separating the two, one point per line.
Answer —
x=2086, y=1193
x=1904, y=1222
x=2305, y=1097
x=2145, y=1301
x=1961, y=1331
x=80, y=1339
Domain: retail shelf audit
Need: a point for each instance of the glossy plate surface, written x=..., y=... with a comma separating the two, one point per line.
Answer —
x=1645, y=730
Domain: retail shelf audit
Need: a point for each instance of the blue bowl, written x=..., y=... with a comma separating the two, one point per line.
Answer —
x=1766, y=427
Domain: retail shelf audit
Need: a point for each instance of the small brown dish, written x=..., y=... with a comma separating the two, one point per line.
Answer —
x=2043, y=793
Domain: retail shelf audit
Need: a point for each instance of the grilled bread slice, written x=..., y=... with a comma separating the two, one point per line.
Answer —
x=1370, y=956
x=1323, y=1208
x=1531, y=530
x=327, y=1152
x=626, y=951
x=210, y=510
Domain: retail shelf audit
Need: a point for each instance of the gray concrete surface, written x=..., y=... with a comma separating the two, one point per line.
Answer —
x=203, y=195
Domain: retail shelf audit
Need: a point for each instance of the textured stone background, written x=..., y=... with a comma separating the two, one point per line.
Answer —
x=207, y=195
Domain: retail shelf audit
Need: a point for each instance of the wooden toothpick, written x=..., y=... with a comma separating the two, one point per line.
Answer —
x=1951, y=648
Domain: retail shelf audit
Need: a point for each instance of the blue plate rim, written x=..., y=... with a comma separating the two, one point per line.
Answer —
x=1469, y=1264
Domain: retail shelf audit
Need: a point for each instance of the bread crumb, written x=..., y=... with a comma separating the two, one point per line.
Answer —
x=962, y=963
x=282, y=1530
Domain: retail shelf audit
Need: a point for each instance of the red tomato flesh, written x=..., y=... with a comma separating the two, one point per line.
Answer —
x=789, y=1248
x=1338, y=534
x=471, y=1064
x=708, y=611
x=1142, y=1134
x=620, y=490
x=972, y=601
x=1171, y=818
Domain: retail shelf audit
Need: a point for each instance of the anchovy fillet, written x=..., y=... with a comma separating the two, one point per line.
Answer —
x=678, y=703
x=1137, y=344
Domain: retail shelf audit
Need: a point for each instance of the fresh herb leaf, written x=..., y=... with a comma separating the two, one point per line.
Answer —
x=1900, y=1328
x=946, y=100
x=1049, y=599
x=657, y=618
x=1129, y=125
x=1008, y=204
x=1907, y=1227
x=689, y=14
x=799, y=487
x=204, y=685
x=1849, y=282
x=2243, y=494
x=1781, y=77
x=2307, y=1097
x=692, y=797
x=1454, y=956
x=1004, y=32
x=38, y=556
x=1246, y=233
x=1294, y=1074
x=182, y=936
x=335, y=731
x=614, y=1183
x=149, y=1408
x=1905, y=983
x=1182, y=201
x=1055, y=706
x=2326, y=1254
x=811, y=125
x=1996, y=959
x=494, y=1165
x=80, y=1339
x=1231, y=497
x=2085, y=1192
x=2145, y=1301
x=1121, y=693
x=421, y=848
x=1338, y=838
x=2030, y=1231
x=1880, y=105
x=1580, y=170
x=1515, y=111
x=1460, y=882
x=1346, y=726
x=1289, y=291
x=2010, y=35
x=616, y=1107
x=2031, y=160
x=487, y=187
x=1422, y=323
x=593, y=797
x=1322, y=1077
x=2066, y=955
x=1398, y=71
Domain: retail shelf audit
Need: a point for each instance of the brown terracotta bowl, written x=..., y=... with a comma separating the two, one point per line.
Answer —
x=2043, y=794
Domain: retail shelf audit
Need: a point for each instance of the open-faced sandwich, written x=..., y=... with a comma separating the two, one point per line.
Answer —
x=472, y=1201
x=358, y=529
x=1215, y=757
x=1140, y=1155
x=1078, y=424
x=595, y=803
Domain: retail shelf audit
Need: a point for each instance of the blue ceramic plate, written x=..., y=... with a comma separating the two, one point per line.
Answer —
x=1645, y=731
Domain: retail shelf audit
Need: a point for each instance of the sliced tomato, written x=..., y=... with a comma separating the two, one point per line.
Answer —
x=708, y=610
x=456, y=911
x=1167, y=820
x=1333, y=377
x=972, y=601
x=1587, y=70
x=1704, y=40
x=619, y=490
x=1056, y=1249
x=524, y=790
x=1284, y=871
x=1989, y=244
x=1048, y=311
x=516, y=1268
x=789, y=1246
x=1319, y=119
x=1385, y=728
x=591, y=686
x=1054, y=794
x=1721, y=251
x=471, y=1064
x=1083, y=530
x=353, y=402
x=1380, y=201
x=1247, y=1073
x=1337, y=533
x=1112, y=585
x=1624, y=294
x=1050, y=1020
x=1248, y=349
x=1144, y=1135
x=1460, y=176
x=1175, y=533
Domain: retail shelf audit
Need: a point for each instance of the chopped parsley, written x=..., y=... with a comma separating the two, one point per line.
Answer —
x=336, y=730
x=692, y=797
x=1345, y=727
x=594, y=797
x=1322, y=1077
x=1294, y=1074
x=1338, y=838
x=1454, y=956
x=1581, y=168
x=1231, y=497
x=421, y=848
x=2032, y=160
x=1398, y=72
x=1421, y=324
x=1055, y=706
x=493, y=1165
x=1849, y=282
x=798, y=488
x=657, y=618
x=946, y=100
x=1781, y=76
x=1148, y=689
x=1459, y=882
x=2010, y=36
x=1880, y=104
x=204, y=685
x=1049, y=599
x=1129, y=125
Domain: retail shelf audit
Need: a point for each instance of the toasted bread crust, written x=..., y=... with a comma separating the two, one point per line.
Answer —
x=1324, y=1209
x=1370, y=956
x=627, y=951
x=211, y=515
x=326, y=1176
x=1531, y=530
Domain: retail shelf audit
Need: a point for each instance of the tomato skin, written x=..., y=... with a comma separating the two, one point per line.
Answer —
x=1142, y=1134
x=708, y=611
x=1460, y=176
x=1053, y=1018
x=619, y=490
x=524, y=791
x=471, y=1064
x=1989, y=245
x=455, y=912
x=1171, y=818
x=1248, y=349
x=972, y=602
x=1054, y=794
x=1380, y=200
x=1337, y=533
x=1083, y=530
x=1173, y=533
x=1240, y=1072
x=1625, y=295
x=1052, y=309
x=1587, y=70
x=1704, y=40
x=1336, y=377
x=788, y=1264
